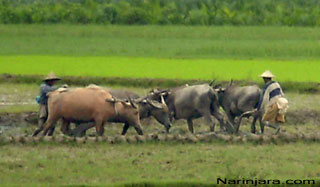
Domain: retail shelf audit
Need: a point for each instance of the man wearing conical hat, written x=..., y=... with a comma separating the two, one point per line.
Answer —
x=46, y=86
x=272, y=103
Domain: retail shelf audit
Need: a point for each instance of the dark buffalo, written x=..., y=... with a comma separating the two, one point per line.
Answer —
x=190, y=102
x=242, y=101
x=237, y=100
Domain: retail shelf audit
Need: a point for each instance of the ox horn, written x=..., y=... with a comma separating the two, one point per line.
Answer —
x=231, y=82
x=154, y=104
x=132, y=103
x=114, y=100
x=162, y=100
x=211, y=83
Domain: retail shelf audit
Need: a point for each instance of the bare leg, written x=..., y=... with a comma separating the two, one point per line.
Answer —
x=261, y=126
x=125, y=128
x=190, y=125
x=274, y=126
x=41, y=123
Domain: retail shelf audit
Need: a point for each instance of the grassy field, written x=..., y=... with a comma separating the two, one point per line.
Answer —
x=161, y=41
x=155, y=163
x=174, y=52
x=138, y=67
x=171, y=52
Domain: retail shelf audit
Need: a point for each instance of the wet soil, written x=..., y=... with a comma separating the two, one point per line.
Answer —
x=303, y=116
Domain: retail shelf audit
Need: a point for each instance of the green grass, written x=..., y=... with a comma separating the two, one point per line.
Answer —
x=161, y=41
x=157, y=163
x=129, y=67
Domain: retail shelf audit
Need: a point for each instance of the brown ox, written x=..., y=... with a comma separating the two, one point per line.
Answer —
x=91, y=104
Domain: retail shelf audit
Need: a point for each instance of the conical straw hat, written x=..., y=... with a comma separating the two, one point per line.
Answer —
x=51, y=76
x=267, y=74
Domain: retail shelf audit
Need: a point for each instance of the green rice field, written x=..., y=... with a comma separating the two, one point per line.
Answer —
x=135, y=67
x=172, y=52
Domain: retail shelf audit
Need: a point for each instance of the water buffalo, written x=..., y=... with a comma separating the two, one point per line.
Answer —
x=242, y=101
x=91, y=104
x=190, y=102
x=237, y=100
x=147, y=108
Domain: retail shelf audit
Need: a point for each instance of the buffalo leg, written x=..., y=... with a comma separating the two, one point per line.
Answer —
x=48, y=126
x=125, y=128
x=190, y=125
x=138, y=129
x=81, y=129
x=51, y=131
x=229, y=127
x=231, y=120
x=209, y=121
x=99, y=128
x=65, y=127
x=253, y=125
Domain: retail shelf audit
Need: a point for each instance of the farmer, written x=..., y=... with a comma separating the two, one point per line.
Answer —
x=272, y=103
x=47, y=86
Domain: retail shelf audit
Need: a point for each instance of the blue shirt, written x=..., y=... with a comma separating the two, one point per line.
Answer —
x=44, y=89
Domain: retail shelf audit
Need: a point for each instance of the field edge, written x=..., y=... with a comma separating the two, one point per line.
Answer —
x=301, y=87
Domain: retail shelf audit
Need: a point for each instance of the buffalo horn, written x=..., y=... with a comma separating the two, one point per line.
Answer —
x=211, y=83
x=162, y=100
x=132, y=103
x=156, y=105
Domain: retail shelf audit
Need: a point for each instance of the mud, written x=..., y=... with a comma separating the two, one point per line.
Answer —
x=303, y=116
x=134, y=139
x=15, y=119
x=23, y=124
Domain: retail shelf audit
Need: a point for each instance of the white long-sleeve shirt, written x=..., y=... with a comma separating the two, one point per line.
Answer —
x=272, y=92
